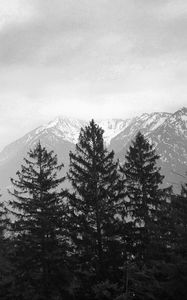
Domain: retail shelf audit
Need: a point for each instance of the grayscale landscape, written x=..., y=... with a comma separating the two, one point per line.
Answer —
x=93, y=150
x=167, y=131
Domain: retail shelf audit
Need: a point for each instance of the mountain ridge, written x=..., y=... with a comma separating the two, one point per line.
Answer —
x=167, y=131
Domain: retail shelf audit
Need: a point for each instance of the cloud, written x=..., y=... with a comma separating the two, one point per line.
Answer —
x=68, y=32
x=15, y=12
x=87, y=57
x=57, y=31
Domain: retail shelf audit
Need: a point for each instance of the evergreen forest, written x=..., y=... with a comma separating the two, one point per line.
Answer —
x=116, y=232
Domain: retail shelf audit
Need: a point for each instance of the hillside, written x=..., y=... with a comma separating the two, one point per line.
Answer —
x=167, y=131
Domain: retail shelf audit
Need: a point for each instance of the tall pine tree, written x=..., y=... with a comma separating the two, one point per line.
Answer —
x=146, y=201
x=179, y=208
x=39, y=237
x=94, y=205
x=5, y=267
x=3, y=227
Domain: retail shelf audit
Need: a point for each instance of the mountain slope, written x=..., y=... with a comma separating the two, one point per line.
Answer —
x=59, y=135
x=167, y=131
x=170, y=140
x=146, y=123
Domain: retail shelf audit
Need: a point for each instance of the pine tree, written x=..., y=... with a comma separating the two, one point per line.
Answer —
x=179, y=205
x=146, y=201
x=94, y=205
x=174, y=273
x=3, y=225
x=39, y=237
x=5, y=266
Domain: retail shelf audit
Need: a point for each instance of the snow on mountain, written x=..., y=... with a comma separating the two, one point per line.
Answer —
x=171, y=142
x=146, y=123
x=65, y=128
x=59, y=135
x=69, y=129
x=154, y=120
x=112, y=127
x=167, y=131
x=52, y=133
x=178, y=122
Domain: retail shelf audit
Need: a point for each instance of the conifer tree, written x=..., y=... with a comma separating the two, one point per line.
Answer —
x=174, y=274
x=179, y=206
x=146, y=201
x=94, y=205
x=5, y=268
x=3, y=227
x=39, y=236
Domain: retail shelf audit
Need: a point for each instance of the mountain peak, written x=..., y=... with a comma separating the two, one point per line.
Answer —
x=182, y=111
x=167, y=131
x=180, y=115
x=112, y=127
x=61, y=121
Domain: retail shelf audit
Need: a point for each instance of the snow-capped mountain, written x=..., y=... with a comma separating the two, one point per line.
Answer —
x=63, y=128
x=146, y=123
x=59, y=135
x=112, y=127
x=60, y=130
x=170, y=140
x=167, y=131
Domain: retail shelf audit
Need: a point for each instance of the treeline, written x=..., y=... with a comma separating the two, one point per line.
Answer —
x=117, y=234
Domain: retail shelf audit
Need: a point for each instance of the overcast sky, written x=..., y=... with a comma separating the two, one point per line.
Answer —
x=85, y=58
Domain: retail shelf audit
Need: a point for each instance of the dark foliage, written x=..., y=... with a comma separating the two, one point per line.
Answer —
x=5, y=266
x=94, y=207
x=119, y=235
x=146, y=201
x=179, y=210
x=39, y=238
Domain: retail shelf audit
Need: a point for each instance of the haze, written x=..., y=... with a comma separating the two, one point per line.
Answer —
x=89, y=59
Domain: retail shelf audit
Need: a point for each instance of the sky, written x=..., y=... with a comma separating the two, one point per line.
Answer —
x=89, y=59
